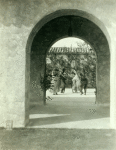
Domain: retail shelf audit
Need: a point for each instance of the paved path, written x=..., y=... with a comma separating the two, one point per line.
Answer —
x=70, y=110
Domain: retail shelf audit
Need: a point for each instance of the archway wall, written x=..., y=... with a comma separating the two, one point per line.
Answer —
x=58, y=28
x=37, y=72
x=18, y=18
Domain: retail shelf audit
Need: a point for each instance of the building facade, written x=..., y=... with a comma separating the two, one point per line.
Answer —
x=27, y=30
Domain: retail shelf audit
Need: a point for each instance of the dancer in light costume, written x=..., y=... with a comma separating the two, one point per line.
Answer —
x=76, y=83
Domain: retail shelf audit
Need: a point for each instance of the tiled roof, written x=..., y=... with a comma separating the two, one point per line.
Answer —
x=73, y=50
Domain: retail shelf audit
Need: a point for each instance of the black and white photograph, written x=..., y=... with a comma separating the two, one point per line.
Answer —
x=57, y=74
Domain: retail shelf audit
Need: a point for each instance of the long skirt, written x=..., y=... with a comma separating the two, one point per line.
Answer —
x=56, y=85
x=62, y=86
x=75, y=86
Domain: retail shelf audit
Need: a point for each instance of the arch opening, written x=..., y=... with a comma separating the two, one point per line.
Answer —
x=55, y=27
x=76, y=57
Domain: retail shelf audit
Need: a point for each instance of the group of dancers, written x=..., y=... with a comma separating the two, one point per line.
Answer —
x=79, y=82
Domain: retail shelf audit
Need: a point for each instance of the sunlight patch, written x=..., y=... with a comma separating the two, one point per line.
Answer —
x=35, y=116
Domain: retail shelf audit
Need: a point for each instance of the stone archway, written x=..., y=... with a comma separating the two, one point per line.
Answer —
x=54, y=27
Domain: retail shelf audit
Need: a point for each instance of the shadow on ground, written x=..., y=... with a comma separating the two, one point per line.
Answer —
x=65, y=109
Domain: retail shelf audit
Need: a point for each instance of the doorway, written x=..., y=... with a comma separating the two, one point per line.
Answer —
x=76, y=58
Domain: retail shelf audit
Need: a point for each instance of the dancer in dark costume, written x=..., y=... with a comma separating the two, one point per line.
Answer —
x=84, y=83
x=63, y=80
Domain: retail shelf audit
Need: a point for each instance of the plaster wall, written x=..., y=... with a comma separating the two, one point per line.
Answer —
x=12, y=70
x=17, y=19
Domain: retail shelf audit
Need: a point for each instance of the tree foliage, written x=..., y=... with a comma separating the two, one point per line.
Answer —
x=84, y=64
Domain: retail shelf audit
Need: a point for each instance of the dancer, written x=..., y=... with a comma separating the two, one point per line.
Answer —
x=56, y=82
x=76, y=83
x=84, y=83
x=63, y=80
